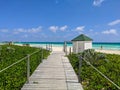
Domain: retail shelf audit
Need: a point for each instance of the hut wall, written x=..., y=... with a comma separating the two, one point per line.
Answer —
x=88, y=45
x=80, y=46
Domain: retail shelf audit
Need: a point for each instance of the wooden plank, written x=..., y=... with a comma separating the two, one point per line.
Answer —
x=55, y=73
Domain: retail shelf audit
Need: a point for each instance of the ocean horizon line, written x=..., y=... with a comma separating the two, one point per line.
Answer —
x=95, y=45
x=58, y=41
x=68, y=42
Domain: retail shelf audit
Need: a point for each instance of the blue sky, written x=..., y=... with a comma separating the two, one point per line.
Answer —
x=59, y=20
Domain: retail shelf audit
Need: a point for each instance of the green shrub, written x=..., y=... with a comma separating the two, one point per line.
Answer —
x=14, y=77
x=108, y=64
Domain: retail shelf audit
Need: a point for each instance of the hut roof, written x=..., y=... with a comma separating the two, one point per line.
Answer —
x=82, y=37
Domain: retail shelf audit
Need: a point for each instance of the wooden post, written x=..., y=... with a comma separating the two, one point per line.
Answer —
x=51, y=47
x=70, y=50
x=0, y=50
x=80, y=70
x=42, y=55
x=28, y=67
x=46, y=47
x=65, y=48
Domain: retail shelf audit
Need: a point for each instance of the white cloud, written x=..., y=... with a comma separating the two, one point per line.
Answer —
x=53, y=28
x=114, y=22
x=111, y=31
x=80, y=28
x=57, y=28
x=98, y=2
x=31, y=30
x=63, y=28
x=21, y=30
x=35, y=30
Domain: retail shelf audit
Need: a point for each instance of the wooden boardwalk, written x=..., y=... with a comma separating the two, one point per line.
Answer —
x=55, y=73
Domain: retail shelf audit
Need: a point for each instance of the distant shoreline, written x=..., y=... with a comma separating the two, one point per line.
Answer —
x=96, y=45
x=111, y=49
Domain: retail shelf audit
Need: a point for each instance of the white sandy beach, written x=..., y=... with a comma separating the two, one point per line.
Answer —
x=109, y=51
x=60, y=48
x=55, y=48
x=97, y=50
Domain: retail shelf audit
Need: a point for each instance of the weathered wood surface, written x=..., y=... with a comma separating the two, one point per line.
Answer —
x=55, y=73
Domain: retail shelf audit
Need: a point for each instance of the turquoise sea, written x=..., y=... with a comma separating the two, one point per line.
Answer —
x=95, y=45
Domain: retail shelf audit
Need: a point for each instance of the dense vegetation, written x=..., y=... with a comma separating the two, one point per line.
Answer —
x=14, y=77
x=108, y=64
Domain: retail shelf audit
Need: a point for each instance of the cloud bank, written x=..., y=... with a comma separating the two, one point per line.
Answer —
x=80, y=28
x=56, y=28
x=53, y=28
x=111, y=31
x=114, y=22
x=63, y=28
x=31, y=30
x=98, y=2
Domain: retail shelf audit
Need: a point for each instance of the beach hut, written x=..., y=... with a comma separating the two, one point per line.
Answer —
x=81, y=43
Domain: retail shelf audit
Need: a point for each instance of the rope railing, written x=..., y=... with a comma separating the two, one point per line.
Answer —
x=27, y=63
x=13, y=64
x=18, y=61
x=98, y=72
x=34, y=52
